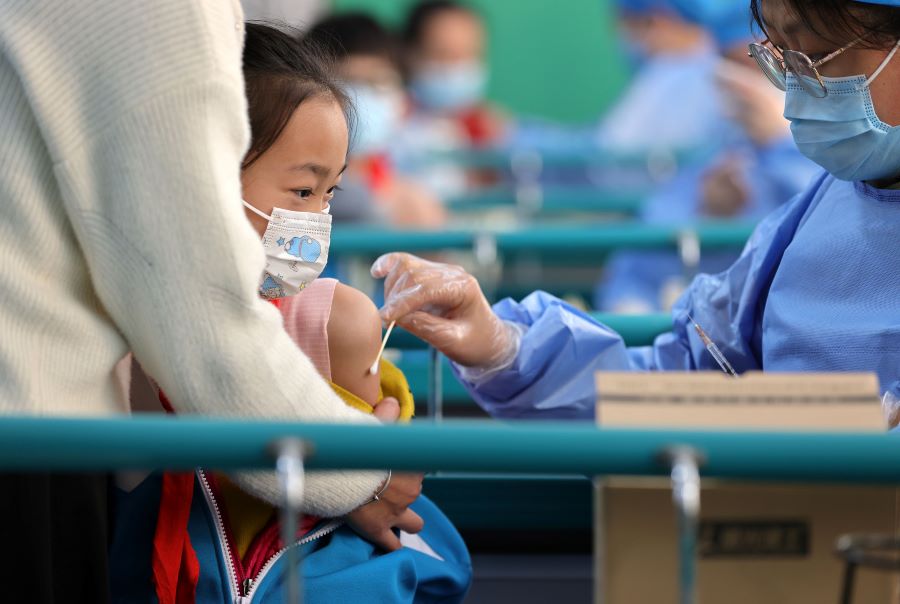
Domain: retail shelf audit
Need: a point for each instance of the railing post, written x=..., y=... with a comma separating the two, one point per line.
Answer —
x=690, y=253
x=685, y=466
x=289, y=454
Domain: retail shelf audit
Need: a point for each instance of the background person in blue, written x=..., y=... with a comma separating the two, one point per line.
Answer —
x=674, y=60
x=754, y=168
x=817, y=287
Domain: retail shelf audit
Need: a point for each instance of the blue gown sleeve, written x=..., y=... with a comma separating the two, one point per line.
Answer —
x=562, y=348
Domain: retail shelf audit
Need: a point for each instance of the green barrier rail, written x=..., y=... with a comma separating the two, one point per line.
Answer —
x=636, y=330
x=537, y=160
x=551, y=239
x=29, y=444
x=553, y=200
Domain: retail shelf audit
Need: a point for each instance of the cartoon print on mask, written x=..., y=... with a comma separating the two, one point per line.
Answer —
x=306, y=248
x=270, y=289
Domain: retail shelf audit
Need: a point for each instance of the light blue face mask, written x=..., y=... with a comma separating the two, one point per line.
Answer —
x=842, y=132
x=449, y=87
x=378, y=117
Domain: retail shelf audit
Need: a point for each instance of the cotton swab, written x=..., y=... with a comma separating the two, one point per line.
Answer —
x=374, y=368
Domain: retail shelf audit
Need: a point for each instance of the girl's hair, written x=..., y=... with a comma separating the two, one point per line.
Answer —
x=845, y=21
x=280, y=73
x=352, y=34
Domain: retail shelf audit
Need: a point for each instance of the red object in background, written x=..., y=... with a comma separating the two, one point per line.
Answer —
x=480, y=126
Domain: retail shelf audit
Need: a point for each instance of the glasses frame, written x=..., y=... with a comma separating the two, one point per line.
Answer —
x=796, y=62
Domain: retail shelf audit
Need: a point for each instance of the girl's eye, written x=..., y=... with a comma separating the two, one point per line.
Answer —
x=303, y=193
x=331, y=191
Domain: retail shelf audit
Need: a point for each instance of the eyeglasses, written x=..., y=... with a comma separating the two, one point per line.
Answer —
x=799, y=64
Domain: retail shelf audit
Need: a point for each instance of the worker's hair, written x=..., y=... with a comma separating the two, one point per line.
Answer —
x=841, y=21
x=418, y=18
x=352, y=34
x=280, y=73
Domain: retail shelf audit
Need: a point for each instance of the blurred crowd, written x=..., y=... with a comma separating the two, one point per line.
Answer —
x=708, y=140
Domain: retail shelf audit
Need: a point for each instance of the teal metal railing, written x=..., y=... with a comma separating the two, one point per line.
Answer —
x=551, y=200
x=182, y=443
x=537, y=239
x=35, y=444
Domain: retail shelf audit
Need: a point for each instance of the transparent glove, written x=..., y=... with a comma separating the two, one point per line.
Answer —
x=444, y=305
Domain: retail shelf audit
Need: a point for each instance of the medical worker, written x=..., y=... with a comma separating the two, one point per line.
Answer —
x=674, y=60
x=816, y=289
x=757, y=168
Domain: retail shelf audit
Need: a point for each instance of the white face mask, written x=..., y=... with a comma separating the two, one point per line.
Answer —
x=296, y=245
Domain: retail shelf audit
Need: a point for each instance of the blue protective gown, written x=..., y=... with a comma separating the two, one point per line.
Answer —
x=774, y=174
x=817, y=288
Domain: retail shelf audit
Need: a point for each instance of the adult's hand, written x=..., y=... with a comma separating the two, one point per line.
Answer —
x=374, y=521
x=387, y=410
x=443, y=305
x=753, y=102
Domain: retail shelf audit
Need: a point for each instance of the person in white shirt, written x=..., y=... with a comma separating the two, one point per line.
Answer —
x=122, y=128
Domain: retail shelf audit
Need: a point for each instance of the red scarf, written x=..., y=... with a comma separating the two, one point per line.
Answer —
x=175, y=566
x=176, y=569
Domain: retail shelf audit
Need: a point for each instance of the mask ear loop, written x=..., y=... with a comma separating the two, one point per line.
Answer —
x=884, y=64
x=256, y=211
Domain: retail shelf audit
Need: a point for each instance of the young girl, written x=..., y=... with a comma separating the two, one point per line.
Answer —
x=210, y=541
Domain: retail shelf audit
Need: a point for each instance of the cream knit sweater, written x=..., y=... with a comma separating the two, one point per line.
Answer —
x=122, y=127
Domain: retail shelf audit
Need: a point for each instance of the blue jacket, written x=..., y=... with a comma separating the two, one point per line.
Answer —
x=337, y=565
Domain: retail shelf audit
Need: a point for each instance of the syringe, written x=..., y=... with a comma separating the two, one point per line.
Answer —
x=717, y=354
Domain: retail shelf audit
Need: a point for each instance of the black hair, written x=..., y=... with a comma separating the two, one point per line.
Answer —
x=418, y=18
x=846, y=21
x=280, y=73
x=355, y=34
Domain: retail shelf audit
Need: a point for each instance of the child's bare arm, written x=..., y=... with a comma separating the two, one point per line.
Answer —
x=354, y=337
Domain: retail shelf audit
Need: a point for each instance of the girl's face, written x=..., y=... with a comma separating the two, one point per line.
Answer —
x=301, y=170
x=787, y=32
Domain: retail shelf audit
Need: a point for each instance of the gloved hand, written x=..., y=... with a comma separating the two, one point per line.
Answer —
x=444, y=305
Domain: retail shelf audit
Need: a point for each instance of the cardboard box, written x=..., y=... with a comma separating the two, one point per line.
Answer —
x=758, y=543
x=771, y=544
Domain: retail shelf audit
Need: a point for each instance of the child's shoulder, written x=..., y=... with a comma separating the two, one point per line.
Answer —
x=354, y=319
x=354, y=337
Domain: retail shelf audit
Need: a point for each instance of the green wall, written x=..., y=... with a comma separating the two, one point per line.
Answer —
x=553, y=59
